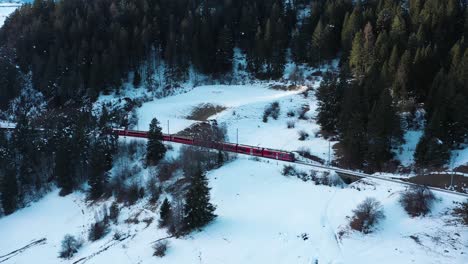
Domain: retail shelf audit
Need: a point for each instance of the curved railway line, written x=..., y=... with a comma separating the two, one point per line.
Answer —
x=270, y=154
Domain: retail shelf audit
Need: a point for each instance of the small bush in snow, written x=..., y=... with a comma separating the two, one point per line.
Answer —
x=70, y=246
x=273, y=110
x=114, y=212
x=289, y=170
x=153, y=189
x=133, y=193
x=291, y=113
x=266, y=114
x=290, y=124
x=160, y=249
x=99, y=228
x=417, y=200
x=303, y=135
x=367, y=214
x=462, y=211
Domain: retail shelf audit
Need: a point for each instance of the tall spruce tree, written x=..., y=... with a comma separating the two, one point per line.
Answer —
x=155, y=149
x=165, y=213
x=8, y=181
x=198, y=210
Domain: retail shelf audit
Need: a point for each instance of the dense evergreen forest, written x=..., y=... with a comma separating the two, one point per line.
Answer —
x=400, y=61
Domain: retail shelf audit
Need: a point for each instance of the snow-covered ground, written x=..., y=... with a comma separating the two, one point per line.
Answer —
x=263, y=217
x=6, y=8
x=244, y=105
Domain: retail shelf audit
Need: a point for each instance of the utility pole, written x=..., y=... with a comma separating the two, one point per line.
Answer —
x=168, y=127
x=329, y=152
x=451, y=172
x=237, y=136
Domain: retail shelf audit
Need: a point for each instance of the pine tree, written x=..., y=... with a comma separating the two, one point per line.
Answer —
x=383, y=131
x=9, y=190
x=165, y=214
x=198, y=210
x=356, y=58
x=155, y=149
x=8, y=181
x=329, y=96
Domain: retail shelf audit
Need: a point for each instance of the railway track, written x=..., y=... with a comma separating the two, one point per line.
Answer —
x=142, y=134
x=187, y=141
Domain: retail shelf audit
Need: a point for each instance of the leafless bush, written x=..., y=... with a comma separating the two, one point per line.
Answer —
x=367, y=215
x=290, y=124
x=192, y=157
x=417, y=200
x=275, y=110
x=303, y=135
x=177, y=216
x=291, y=113
x=70, y=246
x=114, y=212
x=154, y=190
x=99, y=229
x=272, y=110
x=289, y=170
x=160, y=249
x=462, y=211
x=302, y=112
x=166, y=170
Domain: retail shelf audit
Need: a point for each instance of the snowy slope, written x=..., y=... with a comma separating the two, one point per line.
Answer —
x=244, y=109
x=6, y=8
x=262, y=218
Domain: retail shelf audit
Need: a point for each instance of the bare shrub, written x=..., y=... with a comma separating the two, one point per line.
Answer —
x=153, y=190
x=290, y=124
x=272, y=110
x=291, y=113
x=192, y=157
x=417, y=200
x=302, y=112
x=166, y=170
x=303, y=135
x=133, y=193
x=70, y=246
x=114, y=212
x=266, y=114
x=160, y=249
x=462, y=212
x=275, y=110
x=289, y=170
x=367, y=214
x=98, y=229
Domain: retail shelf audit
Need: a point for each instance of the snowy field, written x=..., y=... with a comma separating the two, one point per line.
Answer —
x=6, y=9
x=244, y=105
x=263, y=217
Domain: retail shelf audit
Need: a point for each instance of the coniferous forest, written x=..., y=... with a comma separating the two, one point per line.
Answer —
x=400, y=62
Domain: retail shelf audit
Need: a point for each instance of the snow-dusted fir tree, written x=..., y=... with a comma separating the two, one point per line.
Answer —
x=198, y=210
x=165, y=213
x=155, y=149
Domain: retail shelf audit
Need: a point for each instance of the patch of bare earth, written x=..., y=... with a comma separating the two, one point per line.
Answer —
x=460, y=183
x=281, y=87
x=195, y=130
x=203, y=111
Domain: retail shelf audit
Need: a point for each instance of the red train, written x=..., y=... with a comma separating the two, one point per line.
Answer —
x=225, y=146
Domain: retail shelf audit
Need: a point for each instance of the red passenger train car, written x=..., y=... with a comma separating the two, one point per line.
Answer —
x=236, y=148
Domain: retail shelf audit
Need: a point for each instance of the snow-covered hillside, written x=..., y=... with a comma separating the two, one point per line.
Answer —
x=6, y=8
x=263, y=217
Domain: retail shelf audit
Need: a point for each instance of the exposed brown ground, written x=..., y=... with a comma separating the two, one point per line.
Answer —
x=203, y=111
x=285, y=87
x=441, y=181
x=195, y=129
